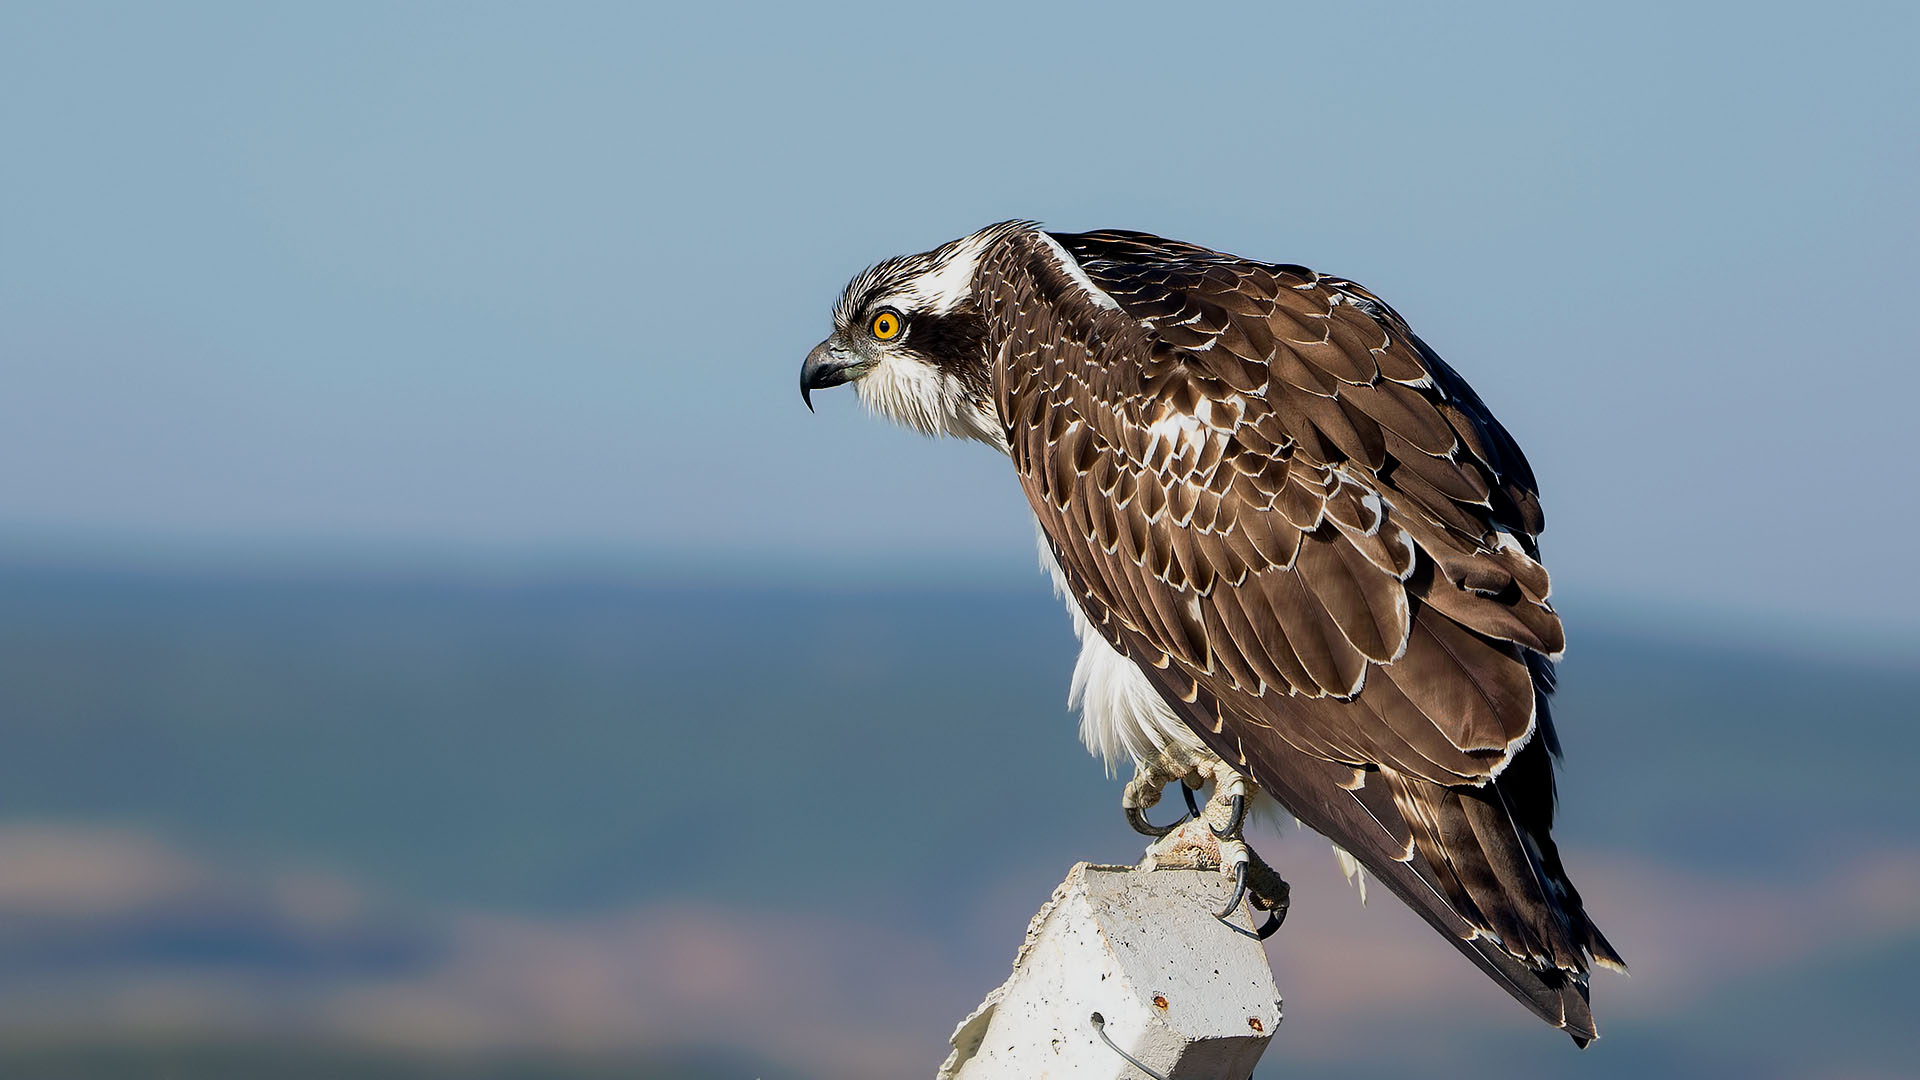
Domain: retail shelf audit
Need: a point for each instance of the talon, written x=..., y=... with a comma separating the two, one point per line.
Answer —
x=1276, y=914
x=1137, y=818
x=1236, y=817
x=1258, y=935
x=1193, y=808
x=1239, y=894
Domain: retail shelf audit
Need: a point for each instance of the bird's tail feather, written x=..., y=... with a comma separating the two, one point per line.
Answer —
x=1477, y=863
x=1472, y=862
x=1498, y=871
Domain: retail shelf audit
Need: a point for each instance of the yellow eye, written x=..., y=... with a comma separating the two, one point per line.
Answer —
x=886, y=325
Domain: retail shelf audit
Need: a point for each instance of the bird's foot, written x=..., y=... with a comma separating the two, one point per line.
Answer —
x=1212, y=840
x=1144, y=790
x=1261, y=886
x=1226, y=818
x=1230, y=793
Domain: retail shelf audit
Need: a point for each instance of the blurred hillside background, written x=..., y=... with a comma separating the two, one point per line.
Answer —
x=435, y=641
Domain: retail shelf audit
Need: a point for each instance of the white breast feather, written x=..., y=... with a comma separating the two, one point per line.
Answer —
x=1121, y=714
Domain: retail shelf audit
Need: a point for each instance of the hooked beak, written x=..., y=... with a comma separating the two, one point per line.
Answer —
x=827, y=365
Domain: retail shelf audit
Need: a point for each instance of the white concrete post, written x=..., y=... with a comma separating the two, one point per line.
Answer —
x=1178, y=992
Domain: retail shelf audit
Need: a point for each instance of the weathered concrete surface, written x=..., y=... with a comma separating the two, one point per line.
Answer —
x=1189, y=998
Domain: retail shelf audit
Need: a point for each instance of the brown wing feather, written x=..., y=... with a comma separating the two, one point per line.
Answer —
x=1319, y=545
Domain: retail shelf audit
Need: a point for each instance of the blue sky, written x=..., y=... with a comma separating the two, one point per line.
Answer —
x=506, y=283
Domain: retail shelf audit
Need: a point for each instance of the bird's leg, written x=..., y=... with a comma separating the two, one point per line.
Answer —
x=1226, y=818
x=1212, y=839
x=1234, y=792
x=1150, y=779
x=1226, y=815
x=1263, y=886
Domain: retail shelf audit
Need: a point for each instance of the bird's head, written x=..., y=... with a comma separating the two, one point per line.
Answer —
x=909, y=336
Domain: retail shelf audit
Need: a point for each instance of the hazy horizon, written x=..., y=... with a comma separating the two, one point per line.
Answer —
x=435, y=824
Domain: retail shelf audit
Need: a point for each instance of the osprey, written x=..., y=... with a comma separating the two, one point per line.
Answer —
x=1300, y=554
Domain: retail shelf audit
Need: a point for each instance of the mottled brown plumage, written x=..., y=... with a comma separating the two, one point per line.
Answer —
x=1319, y=545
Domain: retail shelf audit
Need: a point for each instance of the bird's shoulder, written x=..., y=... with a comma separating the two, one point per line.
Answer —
x=1284, y=361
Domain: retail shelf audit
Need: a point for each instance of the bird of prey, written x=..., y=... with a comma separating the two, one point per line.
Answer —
x=1299, y=551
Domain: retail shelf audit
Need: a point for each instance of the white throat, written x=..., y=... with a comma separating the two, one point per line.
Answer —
x=929, y=401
